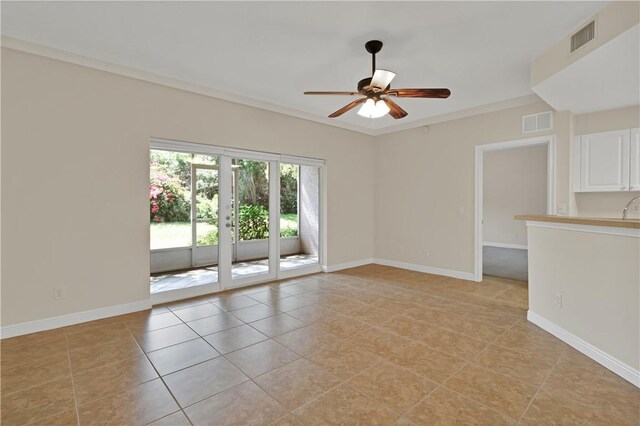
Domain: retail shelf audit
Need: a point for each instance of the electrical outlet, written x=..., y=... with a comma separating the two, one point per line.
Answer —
x=58, y=293
x=559, y=300
x=426, y=252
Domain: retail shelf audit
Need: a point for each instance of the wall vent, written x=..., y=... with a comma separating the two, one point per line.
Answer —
x=537, y=122
x=583, y=36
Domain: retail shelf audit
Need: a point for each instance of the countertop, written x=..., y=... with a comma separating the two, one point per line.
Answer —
x=596, y=221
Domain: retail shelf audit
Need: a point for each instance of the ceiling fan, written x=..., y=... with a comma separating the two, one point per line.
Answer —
x=376, y=92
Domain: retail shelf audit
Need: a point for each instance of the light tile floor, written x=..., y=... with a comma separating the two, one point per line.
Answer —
x=370, y=345
x=208, y=275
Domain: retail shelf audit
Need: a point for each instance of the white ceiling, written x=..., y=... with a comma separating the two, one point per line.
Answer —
x=270, y=52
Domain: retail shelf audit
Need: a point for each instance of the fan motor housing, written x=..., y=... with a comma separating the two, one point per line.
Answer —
x=364, y=83
x=364, y=86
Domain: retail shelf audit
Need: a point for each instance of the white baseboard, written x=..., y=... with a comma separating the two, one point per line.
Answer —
x=505, y=245
x=72, y=319
x=620, y=368
x=347, y=265
x=427, y=269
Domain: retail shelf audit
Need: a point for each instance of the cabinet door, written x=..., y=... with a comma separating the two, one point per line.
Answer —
x=634, y=160
x=604, y=164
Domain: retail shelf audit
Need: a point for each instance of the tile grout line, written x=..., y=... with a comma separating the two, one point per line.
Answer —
x=144, y=353
x=342, y=382
x=467, y=363
x=540, y=388
x=163, y=382
x=384, y=359
x=442, y=385
x=73, y=384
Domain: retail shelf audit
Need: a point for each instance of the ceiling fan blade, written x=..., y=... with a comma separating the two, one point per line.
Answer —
x=333, y=93
x=382, y=78
x=346, y=108
x=394, y=109
x=420, y=93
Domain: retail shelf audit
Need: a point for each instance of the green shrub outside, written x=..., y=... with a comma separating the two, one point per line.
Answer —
x=208, y=239
x=207, y=208
x=253, y=223
x=288, y=188
x=288, y=232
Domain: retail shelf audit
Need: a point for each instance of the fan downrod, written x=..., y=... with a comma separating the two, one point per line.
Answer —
x=373, y=47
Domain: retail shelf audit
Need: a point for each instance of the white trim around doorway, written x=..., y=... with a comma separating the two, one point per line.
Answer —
x=550, y=141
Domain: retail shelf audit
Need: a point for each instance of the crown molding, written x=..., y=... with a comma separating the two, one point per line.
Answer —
x=73, y=58
x=463, y=113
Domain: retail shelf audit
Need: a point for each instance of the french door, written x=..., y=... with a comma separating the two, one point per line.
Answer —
x=248, y=220
x=223, y=218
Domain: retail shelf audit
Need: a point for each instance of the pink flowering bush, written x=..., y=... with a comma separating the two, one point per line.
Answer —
x=167, y=199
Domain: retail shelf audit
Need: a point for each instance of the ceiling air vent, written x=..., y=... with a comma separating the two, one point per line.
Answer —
x=537, y=122
x=583, y=36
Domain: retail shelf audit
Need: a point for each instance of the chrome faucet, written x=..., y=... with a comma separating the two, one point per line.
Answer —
x=626, y=208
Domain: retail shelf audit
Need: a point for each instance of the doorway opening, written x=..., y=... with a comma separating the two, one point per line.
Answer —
x=512, y=178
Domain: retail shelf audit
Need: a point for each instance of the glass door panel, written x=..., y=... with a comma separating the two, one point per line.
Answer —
x=250, y=217
x=299, y=216
x=206, y=206
x=204, y=218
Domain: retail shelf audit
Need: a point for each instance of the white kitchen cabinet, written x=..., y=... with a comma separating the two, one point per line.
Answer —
x=634, y=160
x=604, y=162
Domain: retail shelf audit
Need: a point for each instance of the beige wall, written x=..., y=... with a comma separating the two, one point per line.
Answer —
x=612, y=20
x=515, y=182
x=598, y=278
x=75, y=145
x=424, y=199
x=605, y=204
x=603, y=121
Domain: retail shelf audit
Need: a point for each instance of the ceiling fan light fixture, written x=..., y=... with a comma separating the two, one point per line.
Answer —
x=381, y=109
x=374, y=93
x=367, y=108
x=373, y=109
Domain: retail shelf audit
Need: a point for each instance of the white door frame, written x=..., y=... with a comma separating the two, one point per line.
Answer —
x=550, y=142
x=225, y=250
